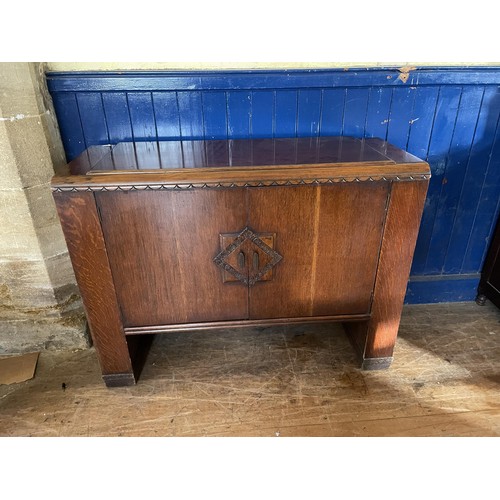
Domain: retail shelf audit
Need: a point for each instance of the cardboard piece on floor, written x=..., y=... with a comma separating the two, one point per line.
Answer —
x=14, y=369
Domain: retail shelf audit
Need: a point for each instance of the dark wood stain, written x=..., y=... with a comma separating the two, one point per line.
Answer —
x=376, y=337
x=87, y=249
x=325, y=269
x=147, y=222
x=161, y=247
x=489, y=286
x=199, y=154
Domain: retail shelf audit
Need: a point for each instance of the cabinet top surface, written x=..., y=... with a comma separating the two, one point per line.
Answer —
x=143, y=156
x=239, y=160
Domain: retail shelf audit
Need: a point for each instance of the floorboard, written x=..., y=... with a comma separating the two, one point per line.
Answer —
x=278, y=381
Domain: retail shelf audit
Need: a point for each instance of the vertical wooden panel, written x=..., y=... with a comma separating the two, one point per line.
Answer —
x=296, y=251
x=421, y=126
x=68, y=117
x=166, y=115
x=356, y=101
x=194, y=153
x=400, y=117
x=147, y=154
x=162, y=265
x=286, y=113
x=239, y=114
x=322, y=275
x=446, y=113
x=142, y=115
x=92, y=118
x=308, y=113
x=422, y=121
x=263, y=113
x=473, y=179
x=171, y=154
x=117, y=114
x=453, y=178
x=332, y=112
x=215, y=115
x=377, y=113
x=191, y=114
x=486, y=212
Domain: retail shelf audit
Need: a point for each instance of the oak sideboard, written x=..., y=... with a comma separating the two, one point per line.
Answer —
x=201, y=234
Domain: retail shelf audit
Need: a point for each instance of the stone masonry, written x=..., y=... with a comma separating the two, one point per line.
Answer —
x=40, y=306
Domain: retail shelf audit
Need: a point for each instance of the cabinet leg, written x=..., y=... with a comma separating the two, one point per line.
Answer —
x=374, y=339
x=138, y=348
x=83, y=234
x=358, y=334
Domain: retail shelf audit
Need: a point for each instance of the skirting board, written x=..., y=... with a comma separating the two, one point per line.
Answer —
x=433, y=289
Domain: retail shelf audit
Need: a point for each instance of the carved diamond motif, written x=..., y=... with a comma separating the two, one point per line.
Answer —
x=245, y=241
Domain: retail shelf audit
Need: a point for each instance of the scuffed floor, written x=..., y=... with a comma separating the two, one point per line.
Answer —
x=285, y=381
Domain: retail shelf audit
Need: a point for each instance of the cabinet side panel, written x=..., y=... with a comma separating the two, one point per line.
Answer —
x=400, y=235
x=329, y=237
x=82, y=230
x=161, y=247
x=490, y=277
x=492, y=257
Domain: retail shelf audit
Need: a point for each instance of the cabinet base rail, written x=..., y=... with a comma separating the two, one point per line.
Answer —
x=189, y=327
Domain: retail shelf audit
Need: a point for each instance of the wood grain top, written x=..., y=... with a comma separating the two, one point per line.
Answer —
x=238, y=162
x=236, y=153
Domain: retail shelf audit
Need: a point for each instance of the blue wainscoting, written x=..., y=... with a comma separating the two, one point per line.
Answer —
x=447, y=116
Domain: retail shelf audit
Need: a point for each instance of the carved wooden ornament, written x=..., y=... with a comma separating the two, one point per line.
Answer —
x=249, y=272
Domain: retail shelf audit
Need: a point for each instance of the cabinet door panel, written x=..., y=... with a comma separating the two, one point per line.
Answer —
x=329, y=237
x=161, y=245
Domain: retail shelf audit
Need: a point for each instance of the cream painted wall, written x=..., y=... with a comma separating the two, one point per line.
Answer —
x=113, y=66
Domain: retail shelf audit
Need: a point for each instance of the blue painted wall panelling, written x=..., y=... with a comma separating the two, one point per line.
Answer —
x=286, y=113
x=332, y=115
x=215, y=115
x=308, y=112
x=191, y=120
x=486, y=210
x=263, y=124
x=239, y=114
x=117, y=116
x=68, y=116
x=447, y=116
x=355, y=106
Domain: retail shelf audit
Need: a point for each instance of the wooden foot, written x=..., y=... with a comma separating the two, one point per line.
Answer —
x=357, y=334
x=376, y=363
x=119, y=379
x=138, y=348
x=481, y=299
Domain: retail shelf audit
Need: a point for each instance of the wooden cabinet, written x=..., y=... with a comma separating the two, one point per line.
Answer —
x=175, y=236
x=489, y=285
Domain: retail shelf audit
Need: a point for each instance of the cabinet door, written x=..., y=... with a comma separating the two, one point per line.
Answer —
x=329, y=238
x=161, y=246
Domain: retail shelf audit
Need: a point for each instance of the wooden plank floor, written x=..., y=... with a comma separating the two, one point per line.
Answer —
x=286, y=381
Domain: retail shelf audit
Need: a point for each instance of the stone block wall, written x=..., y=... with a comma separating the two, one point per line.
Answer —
x=40, y=305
